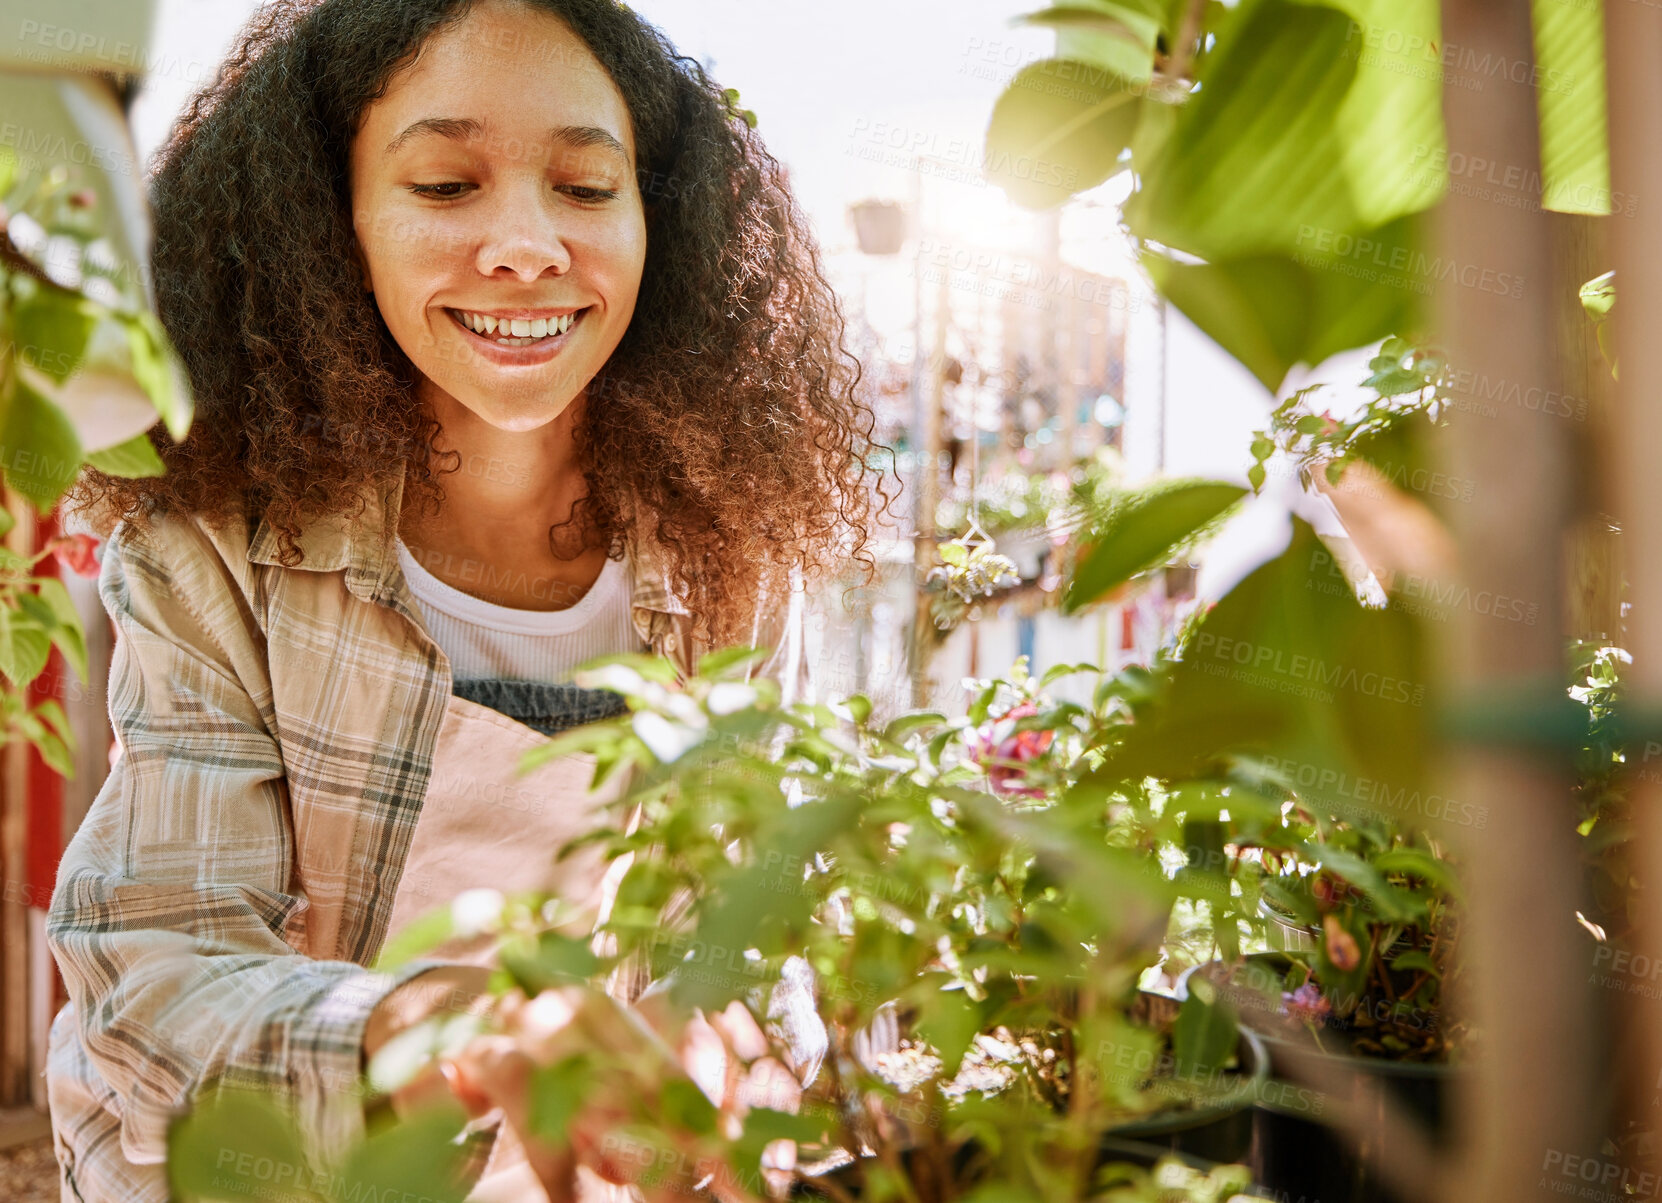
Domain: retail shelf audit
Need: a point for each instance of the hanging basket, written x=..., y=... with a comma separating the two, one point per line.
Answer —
x=880, y=226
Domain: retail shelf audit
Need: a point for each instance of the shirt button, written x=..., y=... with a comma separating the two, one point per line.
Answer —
x=670, y=642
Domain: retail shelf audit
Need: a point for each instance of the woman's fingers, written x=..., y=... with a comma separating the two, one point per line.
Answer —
x=494, y=1069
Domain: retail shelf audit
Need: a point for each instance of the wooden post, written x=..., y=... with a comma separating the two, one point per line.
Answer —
x=1531, y=1090
x=1633, y=48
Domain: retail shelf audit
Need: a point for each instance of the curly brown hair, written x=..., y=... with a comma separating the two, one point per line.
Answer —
x=733, y=433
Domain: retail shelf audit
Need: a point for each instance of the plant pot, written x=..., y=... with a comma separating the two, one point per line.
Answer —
x=1136, y=1152
x=1217, y=1132
x=1294, y=1153
x=1220, y=1131
x=1286, y=931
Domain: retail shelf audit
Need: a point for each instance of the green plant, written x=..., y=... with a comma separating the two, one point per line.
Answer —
x=1283, y=155
x=1411, y=387
x=78, y=343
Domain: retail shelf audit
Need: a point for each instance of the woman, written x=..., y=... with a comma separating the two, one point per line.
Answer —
x=510, y=349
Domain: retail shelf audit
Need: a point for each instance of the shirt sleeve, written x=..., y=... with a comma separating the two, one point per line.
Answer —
x=172, y=898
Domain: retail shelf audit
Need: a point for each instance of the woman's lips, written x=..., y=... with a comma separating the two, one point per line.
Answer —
x=520, y=347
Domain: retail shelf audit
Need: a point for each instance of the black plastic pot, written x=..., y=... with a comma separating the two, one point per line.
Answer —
x=1218, y=1132
x=1294, y=1154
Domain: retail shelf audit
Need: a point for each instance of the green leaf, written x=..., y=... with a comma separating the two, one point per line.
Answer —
x=38, y=447
x=420, y=935
x=1205, y=1034
x=1340, y=290
x=1415, y=960
x=1249, y=168
x=66, y=631
x=685, y=1106
x=1598, y=296
x=1255, y=477
x=1570, y=95
x=726, y=661
x=552, y=959
x=51, y=330
x=24, y=648
x=416, y=1158
x=1119, y=37
x=948, y=1020
x=235, y=1143
x=158, y=372
x=1142, y=530
x=557, y=1095
x=1416, y=862
x=594, y=738
x=133, y=459
x=907, y=724
x=1390, y=125
x=1058, y=129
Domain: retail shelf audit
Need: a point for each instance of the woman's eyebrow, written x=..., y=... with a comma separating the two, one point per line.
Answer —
x=580, y=137
x=460, y=129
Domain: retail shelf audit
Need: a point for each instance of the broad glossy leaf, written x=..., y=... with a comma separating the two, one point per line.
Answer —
x=133, y=459
x=1118, y=35
x=1058, y=129
x=51, y=330
x=413, y=1159
x=1142, y=530
x=38, y=447
x=24, y=647
x=1205, y=1035
x=420, y=935
x=233, y=1144
x=1390, y=124
x=1339, y=291
x=1569, y=88
x=948, y=1020
x=1249, y=166
x=159, y=373
x=1288, y=665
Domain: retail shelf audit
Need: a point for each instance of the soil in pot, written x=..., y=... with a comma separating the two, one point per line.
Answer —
x=1294, y=1153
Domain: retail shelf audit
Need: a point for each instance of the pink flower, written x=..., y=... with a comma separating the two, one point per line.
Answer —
x=1003, y=751
x=1306, y=1004
x=78, y=553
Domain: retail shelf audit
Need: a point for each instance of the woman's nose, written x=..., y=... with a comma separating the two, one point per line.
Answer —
x=525, y=242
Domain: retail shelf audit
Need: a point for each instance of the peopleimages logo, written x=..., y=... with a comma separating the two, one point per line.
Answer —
x=1392, y=262
x=1272, y=661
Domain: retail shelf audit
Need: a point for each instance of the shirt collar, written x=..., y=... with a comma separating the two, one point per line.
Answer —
x=361, y=542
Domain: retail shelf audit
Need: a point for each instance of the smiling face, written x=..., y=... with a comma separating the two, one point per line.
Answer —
x=497, y=211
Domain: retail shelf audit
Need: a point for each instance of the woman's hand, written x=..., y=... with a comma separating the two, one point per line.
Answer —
x=724, y=1055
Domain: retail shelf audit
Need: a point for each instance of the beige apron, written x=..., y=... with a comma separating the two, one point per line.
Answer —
x=483, y=825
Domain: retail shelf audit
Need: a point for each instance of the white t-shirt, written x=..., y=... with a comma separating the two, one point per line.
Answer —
x=484, y=640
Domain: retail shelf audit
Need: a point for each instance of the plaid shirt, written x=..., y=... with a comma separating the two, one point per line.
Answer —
x=215, y=913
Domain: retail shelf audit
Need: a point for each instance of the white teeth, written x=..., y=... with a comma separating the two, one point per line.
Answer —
x=516, y=332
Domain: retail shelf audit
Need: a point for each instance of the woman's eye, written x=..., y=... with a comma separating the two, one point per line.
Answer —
x=445, y=191
x=591, y=194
